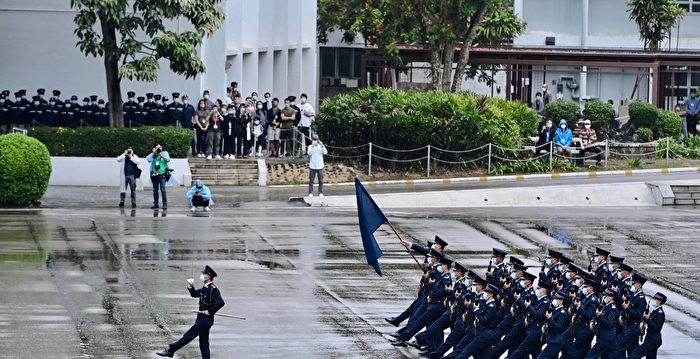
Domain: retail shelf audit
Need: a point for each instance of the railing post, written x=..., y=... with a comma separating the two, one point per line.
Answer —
x=489, y=166
x=294, y=142
x=668, y=143
x=369, y=166
x=551, y=154
x=607, y=151
x=428, y=161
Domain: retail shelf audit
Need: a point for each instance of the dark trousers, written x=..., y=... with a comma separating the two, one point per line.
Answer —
x=433, y=336
x=511, y=340
x=530, y=346
x=453, y=339
x=228, y=145
x=193, y=143
x=627, y=341
x=130, y=182
x=159, y=183
x=306, y=131
x=199, y=329
x=580, y=345
x=479, y=347
x=551, y=351
x=596, y=150
x=198, y=201
x=691, y=121
x=600, y=349
x=648, y=348
x=542, y=148
x=466, y=340
x=432, y=313
x=240, y=144
x=201, y=141
x=316, y=173
x=409, y=311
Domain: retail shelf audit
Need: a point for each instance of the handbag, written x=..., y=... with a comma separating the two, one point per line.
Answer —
x=137, y=172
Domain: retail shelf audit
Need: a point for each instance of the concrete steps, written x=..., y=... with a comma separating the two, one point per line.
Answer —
x=239, y=172
x=686, y=195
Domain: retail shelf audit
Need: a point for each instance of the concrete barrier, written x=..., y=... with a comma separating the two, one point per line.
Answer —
x=104, y=171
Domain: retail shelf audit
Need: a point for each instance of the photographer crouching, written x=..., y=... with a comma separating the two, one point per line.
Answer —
x=159, y=173
x=200, y=196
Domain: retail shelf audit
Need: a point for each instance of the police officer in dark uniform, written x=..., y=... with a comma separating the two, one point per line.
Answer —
x=654, y=318
x=40, y=93
x=524, y=292
x=57, y=98
x=35, y=111
x=476, y=289
x=70, y=115
x=156, y=112
x=433, y=335
x=583, y=310
x=187, y=116
x=631, y=313
x=486, y=318
x=554, y=267
x=462, y=299
x=129, y=108
x=602, y=272
x=557, y=321
x=604, y=326
x=52, y=115
x=5, y=104
x=150, y=103
x=141, y=112
x=101, y=114
x=535, y=317
x=497, y=260
x=17, y=110
x=210, y=302
x=86, y=111
x=173, y=115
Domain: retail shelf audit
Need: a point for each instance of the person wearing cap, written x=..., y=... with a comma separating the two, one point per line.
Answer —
x=556, y=323
x=129, y=107
x=52, y=114
x=85, y=111
x=461, y=299
x=486, y=318
x=101, y=114
x=604, y=327
x=476, y=292
x=583, y=310
x=17, y=111
x=141, y=112
x=536, y=311
x=200, y=196
x=5, y=105
x=499, y=270
x=432, y=337
x=437, y=292
x=602, y=272
x=654, y=319
x=210, y=301
x=588, y=140
x=129, y=166
x=156, y=112
x=40, y=94
x=35, y=111
x=554, y=267
x=316, y=152
x=173, y=111
x=631, y=313
x=523, y=293
x=70, y=115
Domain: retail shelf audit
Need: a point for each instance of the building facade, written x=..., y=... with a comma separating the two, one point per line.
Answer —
x=264, y=45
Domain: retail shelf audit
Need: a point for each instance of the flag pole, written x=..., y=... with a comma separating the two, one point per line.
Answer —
x=407, y=250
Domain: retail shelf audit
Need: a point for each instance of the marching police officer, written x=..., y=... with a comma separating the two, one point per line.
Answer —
x=557, y=321
x=534, y=319
x=210, y=302
x=602, y=272
x=631, y=312
x=604, y=326
x=497, y=260
x=129, y=108
x=653, y=323
x=486, y=318
x=583, y=311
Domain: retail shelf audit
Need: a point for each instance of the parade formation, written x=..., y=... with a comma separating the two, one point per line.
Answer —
x=597, y=311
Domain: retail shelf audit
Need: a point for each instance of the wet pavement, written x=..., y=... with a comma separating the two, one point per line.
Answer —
x=81, y=278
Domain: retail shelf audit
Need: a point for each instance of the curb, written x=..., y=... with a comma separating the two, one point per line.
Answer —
x=513, y=178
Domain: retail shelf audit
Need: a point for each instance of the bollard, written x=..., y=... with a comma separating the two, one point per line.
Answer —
x=369, y=166
x=428, y=161
x=606, y=153
x=551, y=150
x=668, y=143
x=489, y=166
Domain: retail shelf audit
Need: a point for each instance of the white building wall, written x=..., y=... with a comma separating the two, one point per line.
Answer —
x=252, y=47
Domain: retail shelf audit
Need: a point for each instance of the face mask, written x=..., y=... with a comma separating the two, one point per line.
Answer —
x=577, y=282
x=36, y=103
x=303, y=100
x=230, y=112
x=267, y=99
x=610, y=267
x=185, y=102
x=544, y=89
x=555, y=302
x=141, y=103
x=522, y=283
x=605, y=300
x=131, y=99
x=206, y=97
x=74, y=101
x=440, y=269
x=255, y=98
x=453, y=277
x=583, y=290
x=24, y=97
x=587, y=126
x=484, y=296
x=201, y=278
x=538, y=98
x=201, y=107
x=633, y=289
x=150, y=100
x=596, y=260
x=50, y=103
x=560, y=96
x=67, y=105
x=256, y=122
x=101, y=106
x=493, y=261
x=548, y=261
x=472, y=289
x=259, y=107
x=539, y=294
x=513, y=276
x=563, y=127
x=653, y=306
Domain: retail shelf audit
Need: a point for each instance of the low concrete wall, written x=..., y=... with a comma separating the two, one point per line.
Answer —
x=101, y=171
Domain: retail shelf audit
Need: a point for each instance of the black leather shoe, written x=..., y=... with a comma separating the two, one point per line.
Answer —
x=392, y=321
x=414, y=344
x=398, y=343
x=165, y=353
x=155, y=206
x=121, y=204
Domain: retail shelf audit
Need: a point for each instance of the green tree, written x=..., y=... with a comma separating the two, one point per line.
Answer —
x=442, y=25
x=655, y=20
x=131, y=37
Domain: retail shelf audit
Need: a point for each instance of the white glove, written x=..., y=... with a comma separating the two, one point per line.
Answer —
x=190, y=281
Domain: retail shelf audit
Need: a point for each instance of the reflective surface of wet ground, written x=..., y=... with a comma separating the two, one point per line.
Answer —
x=82, y=279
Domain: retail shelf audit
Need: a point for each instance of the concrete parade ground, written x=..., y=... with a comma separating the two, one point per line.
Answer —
x=82, y=278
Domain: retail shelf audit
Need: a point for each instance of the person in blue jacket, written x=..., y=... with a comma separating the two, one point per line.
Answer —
x=200, y=196
x=563, y=137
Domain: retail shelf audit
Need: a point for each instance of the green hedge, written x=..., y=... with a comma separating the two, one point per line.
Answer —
x=600, y=113
x=111, y=142
x=25, y=170
x=643, y=114
x=669, y=124
x=556, y=110
x=401, y=120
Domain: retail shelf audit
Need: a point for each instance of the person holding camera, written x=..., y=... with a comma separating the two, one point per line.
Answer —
x=159, y=173
x=200, y=196
x=316, y=152
x=129, y=173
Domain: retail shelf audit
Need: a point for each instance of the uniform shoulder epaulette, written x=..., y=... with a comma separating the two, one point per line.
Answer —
x=492, y=304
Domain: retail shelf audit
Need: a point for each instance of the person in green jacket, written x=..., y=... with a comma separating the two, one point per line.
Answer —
x=159, y=172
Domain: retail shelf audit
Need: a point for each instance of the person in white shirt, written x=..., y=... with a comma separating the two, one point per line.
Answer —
x=316, y=152
x=307, y=116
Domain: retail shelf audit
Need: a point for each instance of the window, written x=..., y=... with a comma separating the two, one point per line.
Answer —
x=328, y=62
x=358, y=63
x=692, y=6
x=344, y=62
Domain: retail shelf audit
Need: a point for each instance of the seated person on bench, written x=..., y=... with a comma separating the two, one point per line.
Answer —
x=200, y=196
x=545, y=137
x=588, y=138
x=563, y=137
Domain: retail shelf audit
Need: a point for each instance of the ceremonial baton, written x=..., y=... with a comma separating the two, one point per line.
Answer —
x=221, y=315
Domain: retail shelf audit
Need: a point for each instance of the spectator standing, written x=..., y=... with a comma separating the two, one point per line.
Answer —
x=259, y=129
x=239, y=129
x=249, y=123
x=214, y=133
x=129, y=166
x=209, y=103
x=201, y=125
x=273, y=128
x=187, y=121
x=307, y=117
x=229, y=96
x=588, y=138
x=228, y=132
x=159, y=173
x=234, y=87
x=563, y=137
x=268, y=102
x=546, y=96
x=286, y=125
x=316, y=151
x=538, y=105
x=546, y=136
x=692, y=107
x=200, y=196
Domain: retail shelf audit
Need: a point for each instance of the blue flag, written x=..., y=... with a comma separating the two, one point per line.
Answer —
x=371, y=217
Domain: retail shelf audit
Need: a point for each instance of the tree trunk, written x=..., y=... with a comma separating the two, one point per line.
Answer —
x=435, y=64
x=467, y=43
x=447, y=61
x=111, y=61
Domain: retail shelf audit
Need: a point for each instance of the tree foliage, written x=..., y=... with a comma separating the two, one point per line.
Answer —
x=132, y=37
x=441, y=25
x=655, y=20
